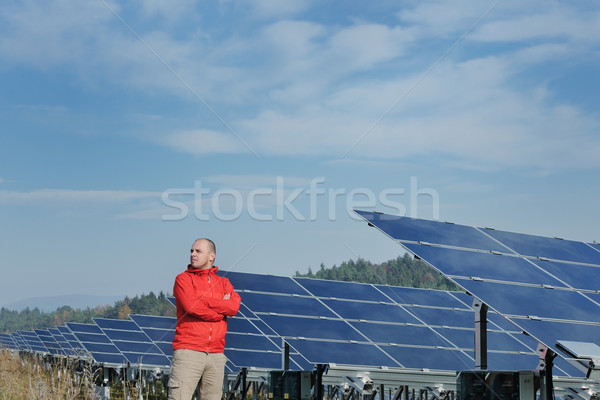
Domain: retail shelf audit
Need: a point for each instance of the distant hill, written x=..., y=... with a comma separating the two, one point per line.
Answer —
x=51, y=303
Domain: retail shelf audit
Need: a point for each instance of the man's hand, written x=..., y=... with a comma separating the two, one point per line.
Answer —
x=227, y=296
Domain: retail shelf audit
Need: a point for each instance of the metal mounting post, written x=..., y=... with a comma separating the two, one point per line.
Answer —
x=545, y=370
x=480, y=334
x=285, y=355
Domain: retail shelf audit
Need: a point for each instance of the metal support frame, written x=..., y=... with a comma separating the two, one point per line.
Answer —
x=319, y=392
x=285, y=355
x=240, y=385
x=480, y=334
x=544, y=368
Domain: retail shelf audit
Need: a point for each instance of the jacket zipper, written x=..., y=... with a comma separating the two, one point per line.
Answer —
x=211, y=328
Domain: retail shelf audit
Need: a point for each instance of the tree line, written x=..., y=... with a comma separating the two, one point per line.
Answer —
x=402, y=271
x=29, y=319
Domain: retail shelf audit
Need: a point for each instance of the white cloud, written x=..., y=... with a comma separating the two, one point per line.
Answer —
x=557, y=23
x=305, y=87
x=468, y=111
x=68, y=196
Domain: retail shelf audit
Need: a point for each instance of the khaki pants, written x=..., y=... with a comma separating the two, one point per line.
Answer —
x=188, y=367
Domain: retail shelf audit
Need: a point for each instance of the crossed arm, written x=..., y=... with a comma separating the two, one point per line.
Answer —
x=205, y=307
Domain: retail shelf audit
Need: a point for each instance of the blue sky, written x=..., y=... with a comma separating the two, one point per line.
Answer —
x=128, y=129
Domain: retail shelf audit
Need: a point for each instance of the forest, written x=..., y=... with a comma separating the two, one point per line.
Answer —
x=402, y=271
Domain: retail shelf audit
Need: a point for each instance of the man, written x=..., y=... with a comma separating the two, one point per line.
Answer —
x=204, y=301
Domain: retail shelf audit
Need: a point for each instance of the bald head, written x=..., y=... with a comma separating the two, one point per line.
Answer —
x=202, y=254
x=213, y=248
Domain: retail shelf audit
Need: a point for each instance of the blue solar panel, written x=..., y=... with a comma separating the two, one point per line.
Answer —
x=545, y=286
x=33, y=341
x=49, y=341
x=151, y=321
x=263, y=283
x=284, y=304
x=160, y=335
x=78, y=327
x=293, y=327
x=370, y=311
x=551, y=248
x=443, y=319
x=534, y=301
x=436, y=317
x=482, y=265
x=160, y=330
x=431, y=358
x=132, y=342
x=18, y=339
x=324, y=352
x=243, y=325
x=417, y=335
x=577, y=276
x=341, y=290
x=96, y=343
x=417, y=230
x=250, y=342
x=423, y=297
x=7, y=341
x=257, y=359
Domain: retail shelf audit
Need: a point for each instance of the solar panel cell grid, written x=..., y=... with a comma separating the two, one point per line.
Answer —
x=263, y=283
x=404, y=228
x=538, y=246
x=311, y=328
x=441, y=359
x=400, y=334
x=251, y=342
x=482, y=265
x=424, y=297
x=342, y=353
x=342, y=290
x=573, y=275
x=534, y=301
x=554, y=300
x=283, y=304
x=370, y=311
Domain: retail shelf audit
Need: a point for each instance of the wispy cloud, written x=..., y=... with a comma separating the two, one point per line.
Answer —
x=204, y=141
x=293, y=85
x=70, y=197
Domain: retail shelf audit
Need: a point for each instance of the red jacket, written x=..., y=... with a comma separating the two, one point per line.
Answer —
x=202, y=310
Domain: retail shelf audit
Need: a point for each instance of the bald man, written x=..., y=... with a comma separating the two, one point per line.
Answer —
x=204, y=301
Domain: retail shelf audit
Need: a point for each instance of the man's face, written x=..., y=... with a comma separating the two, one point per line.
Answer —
x=201, y=256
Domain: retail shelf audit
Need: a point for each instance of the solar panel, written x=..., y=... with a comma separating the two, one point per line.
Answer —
x=160, y=330
x=33, y=341
x=65, y=347
x=97, y=344
x=49, y=341
x=18, y=339
x=7, y=341
x=132, y=342
x=71, y=340
x=375, y=325
x=546, y=287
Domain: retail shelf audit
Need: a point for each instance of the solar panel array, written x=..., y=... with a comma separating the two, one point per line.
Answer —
x=548, y=287
x=323, y=322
